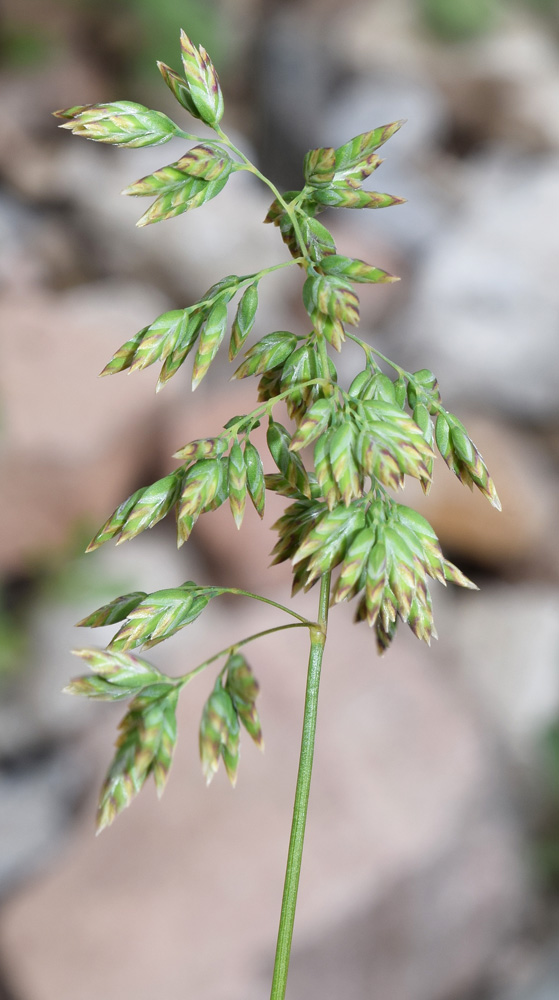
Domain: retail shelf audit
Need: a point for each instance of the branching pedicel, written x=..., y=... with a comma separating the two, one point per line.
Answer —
x=363, y=441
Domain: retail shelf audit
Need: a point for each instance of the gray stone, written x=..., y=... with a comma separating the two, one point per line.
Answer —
x=507, y=651
x=484, y=311
x=45, y=768
x=193, y=250
x=377, y=99
x=541, y=984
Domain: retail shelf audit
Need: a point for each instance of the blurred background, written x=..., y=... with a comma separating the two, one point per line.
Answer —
x=432, y=863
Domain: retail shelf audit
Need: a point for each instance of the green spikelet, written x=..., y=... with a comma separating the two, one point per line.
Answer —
x=202, y=448
x=122, y=123
x=140, y=511
x=180, y=193
x=184, y=344
x=424, y=388
x=116, y=676
x=242, y=687
x=315, y=422
x=382, y=388
x=237, y=472
x=267, y=354
x=342, y=462
x=319, y=242
x=115, y=522
x=319, y=166
x=341, y=195
x=201, y=485
x=256, y=483
x=393, y=431
x=270, y=384
x=375, y=582
x=277, y=483
x=385, y=632
x=354, y=566
x=323, y=470
x=202, y=81
x=123, y=358
x=355, y=270
x=361, y=383
x=145, y=745
x=206, y=161
x=219, y=734
x=114, y=612
x=423, y=420
x=211, y=335
x=401, y=573
x=244, y=319
x=178, y=87
x=356, y=159
x=161, y=338
x=159, y=616
x=293, y=526
x=152, y=505
x=328, y=539
x=289, y=464
x=332, y=297
x=462, y=456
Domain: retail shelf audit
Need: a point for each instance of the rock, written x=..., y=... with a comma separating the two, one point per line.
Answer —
x=27, y=161
x=72, y=444
x=192, y=251
x=46, y=765
x=496, y=88
x=34, y=250
x=539, y=983
x=410, y=843
x=39, y=796
x=410, y=166
x=521, y=539
x=483, y=313
x=506, y=649
x=501, y=89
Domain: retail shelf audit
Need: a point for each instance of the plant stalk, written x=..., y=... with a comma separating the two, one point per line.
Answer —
x=295, y=853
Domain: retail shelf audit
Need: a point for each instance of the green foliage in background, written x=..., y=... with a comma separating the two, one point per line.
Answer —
x=339, y=464
x=459, y=20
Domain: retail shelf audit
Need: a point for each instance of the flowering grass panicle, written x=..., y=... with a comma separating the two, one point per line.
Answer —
x=340, y=464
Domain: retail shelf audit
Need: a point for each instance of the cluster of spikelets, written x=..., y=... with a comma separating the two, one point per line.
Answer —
x=386, y=552
x=148, y=731
x=348, y=451
x=363, y=442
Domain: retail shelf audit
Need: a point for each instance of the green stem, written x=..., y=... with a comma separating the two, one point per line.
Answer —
x=185, y=678
x=258, y=597
x=295, y=854
x=274, y=267
x=248, y=165
x=241, y=426
x=372, y=350
x=246, y=279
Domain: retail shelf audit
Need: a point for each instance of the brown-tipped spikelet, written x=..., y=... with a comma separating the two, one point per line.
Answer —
x=122, y=123
x=202, y=81
x=237, y=473
x=462, y=456
x=243, y=689
x=219, y=734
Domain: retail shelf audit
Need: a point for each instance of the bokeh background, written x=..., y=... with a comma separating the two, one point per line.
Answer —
x=432, y=863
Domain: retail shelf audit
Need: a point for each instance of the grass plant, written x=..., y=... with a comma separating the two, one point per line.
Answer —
x=340, y=463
